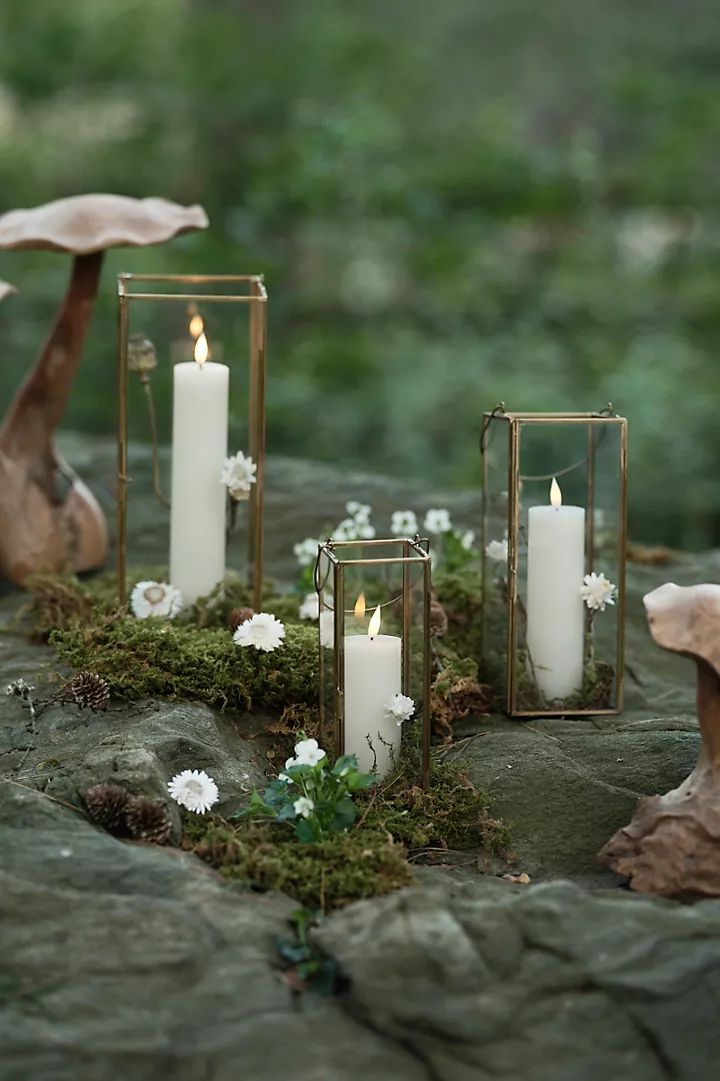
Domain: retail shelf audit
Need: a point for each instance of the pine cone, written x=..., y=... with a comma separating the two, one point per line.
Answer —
x=107, y=804
x=90, y=691
x=148, y=820
x=238, y=616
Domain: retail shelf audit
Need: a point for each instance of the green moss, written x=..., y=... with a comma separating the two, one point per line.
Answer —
x=342, y=868
x=154, y=657
x=460, y=594
x=369, y=860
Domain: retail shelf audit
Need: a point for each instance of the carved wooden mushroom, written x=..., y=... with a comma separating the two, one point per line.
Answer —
x=672, y=845
x=49, y=520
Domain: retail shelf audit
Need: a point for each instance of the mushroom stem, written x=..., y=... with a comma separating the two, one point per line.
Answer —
x=40, y=402
x=708, y=710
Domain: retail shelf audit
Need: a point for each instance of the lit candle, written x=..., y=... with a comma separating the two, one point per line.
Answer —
x=555, y=615
x=372, y=677
x=199, y=448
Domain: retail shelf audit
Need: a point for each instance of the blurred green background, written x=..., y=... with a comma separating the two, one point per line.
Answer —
x=454, y=203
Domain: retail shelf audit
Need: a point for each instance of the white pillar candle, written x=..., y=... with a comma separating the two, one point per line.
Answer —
x=199, y=448
x=372, y=677
x=555, y=614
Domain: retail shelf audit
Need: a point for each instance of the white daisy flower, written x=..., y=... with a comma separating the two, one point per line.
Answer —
x=238, y=475
x=467, y=539
x=308, y=753
x=437, y=521
x=310, y=607
x=306, y=551
x=194, y=789
x=263, y=631
x=303, y=807
x=359, y=511
x=401, y=707
x=497, y=551
x=403, y=523
x=597, y=591
x=347, y=530
x=155, y=599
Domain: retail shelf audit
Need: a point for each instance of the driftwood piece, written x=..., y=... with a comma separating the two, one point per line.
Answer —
x=672, y=845
x=49, y=520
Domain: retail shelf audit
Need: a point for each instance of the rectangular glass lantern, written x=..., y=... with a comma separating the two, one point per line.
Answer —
x=553, y=571
x=191, y=430
x=374, y=605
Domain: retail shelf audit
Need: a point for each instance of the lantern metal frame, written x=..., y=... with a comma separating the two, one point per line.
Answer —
x=594, y=422
x=246, y=289
x=413, y=553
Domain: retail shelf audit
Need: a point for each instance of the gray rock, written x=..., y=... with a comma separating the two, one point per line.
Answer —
x=546, y=983
x=126, y=963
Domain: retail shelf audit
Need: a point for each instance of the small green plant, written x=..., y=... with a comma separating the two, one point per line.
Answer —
x=312, y=795
x=303, y=966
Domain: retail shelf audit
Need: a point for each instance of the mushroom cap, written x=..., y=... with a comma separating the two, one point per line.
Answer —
x=6, y=289
x=686, y=619
x=82, y=224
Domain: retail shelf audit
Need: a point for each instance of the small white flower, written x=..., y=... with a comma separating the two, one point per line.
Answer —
x=308, y=753
x=303, y=807
x=401, y=707
x=306, y=551
x=155, y=599
x=263, y=631
x=310, y=607
x=327, y=629
x=467, y=539
x=284, y=777
x=238, y=475
x=497, y=551
x=437, y=521
x=347, y=530
x=403, y=523
x=194, y=789
x=365, y=530
x=290, y=762
x=597, y=591
x=359, y=511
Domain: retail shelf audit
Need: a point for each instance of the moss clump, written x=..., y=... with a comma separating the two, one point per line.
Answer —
x=61, y=601
x=154, y=657
x=455, y=694
x=326, y=875
x=369, y=860
x=460, y=594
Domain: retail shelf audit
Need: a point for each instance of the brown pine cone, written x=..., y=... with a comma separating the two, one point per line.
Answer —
x=238, y=616
x=148, y=820
x=106, y=805
x=90, y=691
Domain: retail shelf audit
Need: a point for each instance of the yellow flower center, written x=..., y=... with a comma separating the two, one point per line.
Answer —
x=154, y=594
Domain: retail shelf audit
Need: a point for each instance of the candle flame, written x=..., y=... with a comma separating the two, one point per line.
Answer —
x=374, y=624
x=201, y=350
x=555, y=494
x=360, y=606
x=197, y=326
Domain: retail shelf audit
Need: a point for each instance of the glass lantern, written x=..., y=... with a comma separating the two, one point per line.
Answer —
x=554, y=551
x=374, y=617
x=191, y=430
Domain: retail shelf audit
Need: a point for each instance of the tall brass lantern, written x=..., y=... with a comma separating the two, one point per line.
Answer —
x=160, y=316
x=554, y=551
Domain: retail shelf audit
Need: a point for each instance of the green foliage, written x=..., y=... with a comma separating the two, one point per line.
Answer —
x=309, y=967
x=316, y=798
x=454, y=204
x=366, y=861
